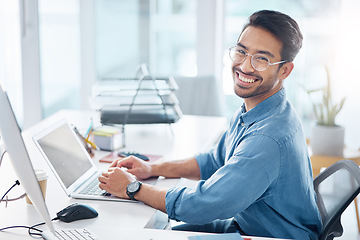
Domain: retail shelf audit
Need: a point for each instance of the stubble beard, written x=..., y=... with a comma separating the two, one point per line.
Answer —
x=245, y=92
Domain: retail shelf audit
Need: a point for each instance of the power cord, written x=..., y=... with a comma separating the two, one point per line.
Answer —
x=32, y=234
x=16, y=183
x=31, y=229
x=2, y=153
x=12, y=199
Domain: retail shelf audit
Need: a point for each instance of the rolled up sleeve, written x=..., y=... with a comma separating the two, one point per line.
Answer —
x=211, y=161
x=231, y=189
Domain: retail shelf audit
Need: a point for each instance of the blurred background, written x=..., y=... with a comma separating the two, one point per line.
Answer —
x=81, y=42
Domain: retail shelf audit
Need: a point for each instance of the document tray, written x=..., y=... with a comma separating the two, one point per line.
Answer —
x=149, y=115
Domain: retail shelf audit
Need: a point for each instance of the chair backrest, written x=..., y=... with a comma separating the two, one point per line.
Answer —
x=336, y=187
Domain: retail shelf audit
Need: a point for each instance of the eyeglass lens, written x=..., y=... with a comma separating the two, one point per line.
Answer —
x=258, y=61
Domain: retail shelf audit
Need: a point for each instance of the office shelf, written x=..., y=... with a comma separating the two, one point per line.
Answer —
x=118, y=85
x=144, y=100
x=140, y=114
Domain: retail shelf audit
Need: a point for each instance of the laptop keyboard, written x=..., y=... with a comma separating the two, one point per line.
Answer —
x=93, y=189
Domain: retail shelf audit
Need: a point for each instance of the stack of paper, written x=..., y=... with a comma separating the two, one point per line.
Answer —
x=108, y=138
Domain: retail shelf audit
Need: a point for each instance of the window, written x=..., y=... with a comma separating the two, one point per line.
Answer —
x=10, y=55
x=161, y=33
x=60, y=66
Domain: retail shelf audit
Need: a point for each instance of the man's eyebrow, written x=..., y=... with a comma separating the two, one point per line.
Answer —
x=266, y=53
x=240, y=45
x=259, y=51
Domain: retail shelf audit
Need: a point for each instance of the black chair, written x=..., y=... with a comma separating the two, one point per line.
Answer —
x=336, y=187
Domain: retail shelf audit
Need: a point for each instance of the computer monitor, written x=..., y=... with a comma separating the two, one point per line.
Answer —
x=15, y=147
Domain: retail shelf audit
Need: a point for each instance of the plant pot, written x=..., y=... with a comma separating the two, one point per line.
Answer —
x=327, y=140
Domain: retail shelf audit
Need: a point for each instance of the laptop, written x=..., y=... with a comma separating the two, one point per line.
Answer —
x=71, y=163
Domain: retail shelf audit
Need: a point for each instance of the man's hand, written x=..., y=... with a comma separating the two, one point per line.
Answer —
x=115, y=181
x=135, y=166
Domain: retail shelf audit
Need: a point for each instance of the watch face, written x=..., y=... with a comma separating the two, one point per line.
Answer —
x=134, y=186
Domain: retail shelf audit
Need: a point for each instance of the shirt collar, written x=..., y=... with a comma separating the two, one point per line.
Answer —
x=262, y=109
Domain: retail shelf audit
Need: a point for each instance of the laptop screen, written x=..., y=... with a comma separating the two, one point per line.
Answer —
x=65, y=153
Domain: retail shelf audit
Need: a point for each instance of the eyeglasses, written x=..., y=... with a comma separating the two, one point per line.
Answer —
x=258, y=61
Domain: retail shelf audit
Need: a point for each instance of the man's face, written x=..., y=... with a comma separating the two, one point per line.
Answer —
x=252, y=85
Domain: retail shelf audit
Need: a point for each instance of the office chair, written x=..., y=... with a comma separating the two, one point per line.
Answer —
x=336, y=187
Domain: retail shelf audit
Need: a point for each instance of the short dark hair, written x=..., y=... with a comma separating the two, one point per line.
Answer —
x=282, y=27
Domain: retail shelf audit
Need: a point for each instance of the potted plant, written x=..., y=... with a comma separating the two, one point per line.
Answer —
x=327, y=138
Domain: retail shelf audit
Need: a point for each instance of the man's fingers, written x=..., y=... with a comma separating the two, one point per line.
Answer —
x=103, y=178
x=126, y=162
x=114, y=163
x=102, y=186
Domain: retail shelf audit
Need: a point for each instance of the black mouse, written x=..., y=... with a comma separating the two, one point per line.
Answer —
x=76, y=212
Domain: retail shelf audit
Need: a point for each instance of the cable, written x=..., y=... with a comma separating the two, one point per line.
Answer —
x=33, y=228
x=14, y=199
x=2, y=152
x=30, y=229
x=16, y=183
x=11, y=199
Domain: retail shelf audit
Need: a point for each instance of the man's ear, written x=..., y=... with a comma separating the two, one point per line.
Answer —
x=285, y=70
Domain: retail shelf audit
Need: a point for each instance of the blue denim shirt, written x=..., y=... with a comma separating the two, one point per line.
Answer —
x=259, y=174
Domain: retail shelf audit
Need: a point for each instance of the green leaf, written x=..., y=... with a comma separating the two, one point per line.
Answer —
x=325, y=111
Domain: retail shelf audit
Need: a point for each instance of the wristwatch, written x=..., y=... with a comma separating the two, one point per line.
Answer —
x=132, y=189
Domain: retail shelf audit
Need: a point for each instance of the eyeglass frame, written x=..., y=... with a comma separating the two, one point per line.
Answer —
x=252, y=57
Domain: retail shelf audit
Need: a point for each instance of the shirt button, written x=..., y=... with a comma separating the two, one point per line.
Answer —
x=242, y=124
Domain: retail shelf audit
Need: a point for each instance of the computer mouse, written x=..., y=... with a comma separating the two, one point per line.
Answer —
x=76, y=212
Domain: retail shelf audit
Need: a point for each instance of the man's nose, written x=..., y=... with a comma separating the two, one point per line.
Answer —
x=246, y=66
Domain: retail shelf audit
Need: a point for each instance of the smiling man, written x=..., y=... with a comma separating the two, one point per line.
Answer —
x=257, y=181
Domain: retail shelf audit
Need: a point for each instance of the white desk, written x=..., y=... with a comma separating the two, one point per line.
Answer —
x=116, y=220
x=190, y=135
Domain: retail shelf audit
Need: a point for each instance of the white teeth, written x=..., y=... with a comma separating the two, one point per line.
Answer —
x=246, y=79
